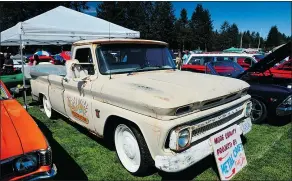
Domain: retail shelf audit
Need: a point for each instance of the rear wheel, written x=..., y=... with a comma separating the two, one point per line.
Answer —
x=50, y=113
x=259, y=111
x=132, y=150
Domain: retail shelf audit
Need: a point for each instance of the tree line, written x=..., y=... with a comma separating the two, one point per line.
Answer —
x=155, y=20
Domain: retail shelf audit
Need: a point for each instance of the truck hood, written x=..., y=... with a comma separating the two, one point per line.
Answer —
x=19, y=133
x=160, y=93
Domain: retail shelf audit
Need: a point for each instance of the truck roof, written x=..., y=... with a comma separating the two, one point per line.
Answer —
x=122, y=41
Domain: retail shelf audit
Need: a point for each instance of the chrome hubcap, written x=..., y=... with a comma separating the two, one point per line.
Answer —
x=257, y=110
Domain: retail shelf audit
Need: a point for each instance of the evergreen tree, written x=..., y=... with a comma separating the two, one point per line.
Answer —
x=111, y=11
x=274, y=38
x=224, y=38
x=201, y=28
x=182, y=30
x=233, y=35
x=163, y=20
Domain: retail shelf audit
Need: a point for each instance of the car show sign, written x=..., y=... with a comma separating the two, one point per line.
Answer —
x=229, y=153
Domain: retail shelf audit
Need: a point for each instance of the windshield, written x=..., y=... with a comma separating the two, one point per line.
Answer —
x=123, y=58
x=259, y=57
x=226, y=68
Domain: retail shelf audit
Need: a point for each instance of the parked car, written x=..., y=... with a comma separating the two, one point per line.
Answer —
x=196, y=62
x=271, y=95
x=25, y=152
x=281, y=70
x=138, y=101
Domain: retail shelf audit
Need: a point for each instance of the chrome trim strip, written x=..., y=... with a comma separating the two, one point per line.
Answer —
x=45, y=175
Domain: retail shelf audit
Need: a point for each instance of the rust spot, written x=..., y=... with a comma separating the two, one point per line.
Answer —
x=162, y=98
x=144, y=87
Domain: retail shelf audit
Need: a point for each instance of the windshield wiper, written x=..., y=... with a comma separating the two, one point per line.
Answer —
x=148, y=68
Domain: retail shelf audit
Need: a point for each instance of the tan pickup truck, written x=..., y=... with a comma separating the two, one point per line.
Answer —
x=129, y=92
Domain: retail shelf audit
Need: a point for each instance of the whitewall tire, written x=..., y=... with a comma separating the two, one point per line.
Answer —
x=132, y=150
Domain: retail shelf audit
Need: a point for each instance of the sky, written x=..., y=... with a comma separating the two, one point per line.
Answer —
x=253, y=16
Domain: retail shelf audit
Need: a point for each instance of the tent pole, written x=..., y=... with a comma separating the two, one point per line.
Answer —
x=23, y=77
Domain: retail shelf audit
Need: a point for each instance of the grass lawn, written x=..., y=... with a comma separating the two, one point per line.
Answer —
x=79, y=155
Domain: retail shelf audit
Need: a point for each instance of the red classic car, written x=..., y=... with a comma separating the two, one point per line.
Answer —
x=25, y=152
x=196, y=63
x=281, y=71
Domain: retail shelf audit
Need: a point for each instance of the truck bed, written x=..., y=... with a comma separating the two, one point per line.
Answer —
x=46, y=70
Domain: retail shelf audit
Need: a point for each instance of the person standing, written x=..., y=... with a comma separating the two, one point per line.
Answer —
x=178, y=60
x=186, y=57
x=8, y=63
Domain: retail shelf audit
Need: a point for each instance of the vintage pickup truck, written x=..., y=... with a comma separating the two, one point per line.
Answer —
x=129, y=92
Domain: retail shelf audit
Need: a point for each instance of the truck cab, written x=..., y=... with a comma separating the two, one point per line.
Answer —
x=129, y=92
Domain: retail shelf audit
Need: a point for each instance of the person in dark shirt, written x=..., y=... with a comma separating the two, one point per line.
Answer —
x=36, y=59
x=2, y=59
x=8, y=61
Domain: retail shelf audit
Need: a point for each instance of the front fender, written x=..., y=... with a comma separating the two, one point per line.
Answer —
x=271, y=95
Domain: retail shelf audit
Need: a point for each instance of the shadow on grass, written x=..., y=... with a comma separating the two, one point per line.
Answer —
x=279, y=120
x=63, y=160
x=67, y=168
x=188, y=174
x=86, y=132
x=193, y=171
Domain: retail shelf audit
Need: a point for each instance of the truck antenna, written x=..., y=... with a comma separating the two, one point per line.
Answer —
x=109, y=32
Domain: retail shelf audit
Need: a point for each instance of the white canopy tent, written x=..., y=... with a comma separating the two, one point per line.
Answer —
x=61, y=26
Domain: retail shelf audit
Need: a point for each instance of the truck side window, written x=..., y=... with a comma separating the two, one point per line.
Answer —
x=83, y=55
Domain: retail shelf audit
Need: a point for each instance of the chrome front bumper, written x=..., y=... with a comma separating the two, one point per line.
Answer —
x=195, y=153
x=43, y=175
x=281, y=111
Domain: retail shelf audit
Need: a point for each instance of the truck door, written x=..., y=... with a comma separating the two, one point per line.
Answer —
x=77, y=94
x=56, y=93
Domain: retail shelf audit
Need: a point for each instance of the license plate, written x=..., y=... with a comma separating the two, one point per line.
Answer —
x=245, y=126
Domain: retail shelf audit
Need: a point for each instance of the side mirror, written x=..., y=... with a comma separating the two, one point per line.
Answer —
x=66, y=79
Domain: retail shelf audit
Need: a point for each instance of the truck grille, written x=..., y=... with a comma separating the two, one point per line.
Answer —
x=201, y=126
x=203, y=129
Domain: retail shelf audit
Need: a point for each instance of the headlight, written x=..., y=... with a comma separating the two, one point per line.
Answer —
x=287, y=102
x=179, y=139
x=26, y=163
x=183, y=138
x=248, y=108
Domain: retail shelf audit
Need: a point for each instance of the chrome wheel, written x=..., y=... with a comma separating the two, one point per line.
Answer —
x=258, y=111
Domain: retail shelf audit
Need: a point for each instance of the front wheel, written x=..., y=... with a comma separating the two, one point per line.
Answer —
x=132, y=150
x=259, y=111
